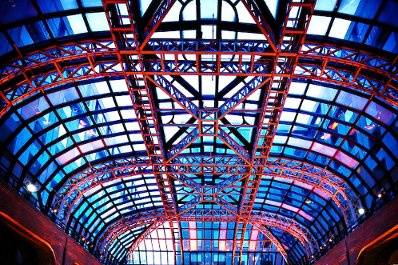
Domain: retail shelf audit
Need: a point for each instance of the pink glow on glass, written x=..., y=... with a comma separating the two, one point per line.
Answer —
x=303, y=185
x=222, y=245
x=334, y=125
x=274, y=203
x=253, y=240
x=323, y=149
x=68, y=156
x=192, y=236
x=290, y=208
x=88, y=147
x=321, y=193
x=345, y=159
x=305, y=215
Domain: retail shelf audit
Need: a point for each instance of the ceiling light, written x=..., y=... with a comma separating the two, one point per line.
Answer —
x=379, y=195
x=31, y=187
x=308, y=201
x=361, y=211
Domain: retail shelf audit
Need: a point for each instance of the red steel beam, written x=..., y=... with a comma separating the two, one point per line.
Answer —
x=304, y=71
x=292, y=37
x=296, y=172
x=143, y=103
x=261, y=22
x=263, y=221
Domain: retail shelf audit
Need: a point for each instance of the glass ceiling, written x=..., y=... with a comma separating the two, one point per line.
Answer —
x=74, y=110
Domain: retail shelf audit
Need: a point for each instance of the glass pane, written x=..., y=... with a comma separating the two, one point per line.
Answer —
x=54, y=6
x=325, y=5
x=97, y=21
x=16, y=10
x=4, y=45
x=318, y=25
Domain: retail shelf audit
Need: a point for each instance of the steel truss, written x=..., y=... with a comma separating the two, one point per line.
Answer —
x=124, y=31
x=262, y=221
x=71, y=62
x=291, y=40
x=293, y=171
x=314, y=178
x=144, y=62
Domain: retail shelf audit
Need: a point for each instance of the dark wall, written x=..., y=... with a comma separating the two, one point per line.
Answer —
x=36, y=222
x=381, y=221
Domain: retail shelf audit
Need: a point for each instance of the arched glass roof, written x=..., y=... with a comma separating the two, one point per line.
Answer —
x=201, y=132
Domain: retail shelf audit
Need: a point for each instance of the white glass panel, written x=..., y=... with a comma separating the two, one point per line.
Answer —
x=318, y=25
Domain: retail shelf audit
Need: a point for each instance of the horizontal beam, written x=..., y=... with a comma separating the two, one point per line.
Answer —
x=298, y=173
x=259, y=219
x=92, y=59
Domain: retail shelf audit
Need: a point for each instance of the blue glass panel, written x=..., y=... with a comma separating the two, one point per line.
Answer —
x=91, y=3
x=64, y=95
x=144, y=5
x=389, y=13
x=36, y=107
x=361, y=8
x=208, y=9
x=60, y=27
x=325, y=5
x=97, y=21
x=38, y=31
x=16, y=10
x=357, y=32
x=20, y=36
x=5, y=46
x=377, y=37
x=380, y=113
x=77, y=24
x=66, y=26
x=20, y=140
x=391, y=44
x=349, y=6
x=56, y=5
x=29, y=152
x=9, y=126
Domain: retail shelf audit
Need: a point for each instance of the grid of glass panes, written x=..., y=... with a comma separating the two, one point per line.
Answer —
x=206, y=243
x=372, y=23
x=43, y=21
x=309, y=209
x=344, y=132
x=67, y=129
x=111, y=201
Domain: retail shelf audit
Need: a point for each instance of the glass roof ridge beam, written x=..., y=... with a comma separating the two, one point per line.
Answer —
x=293, y=32
x=144, y=107
x=85, y=71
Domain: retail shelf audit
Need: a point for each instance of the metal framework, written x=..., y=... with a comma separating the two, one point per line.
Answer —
x=247, y=154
